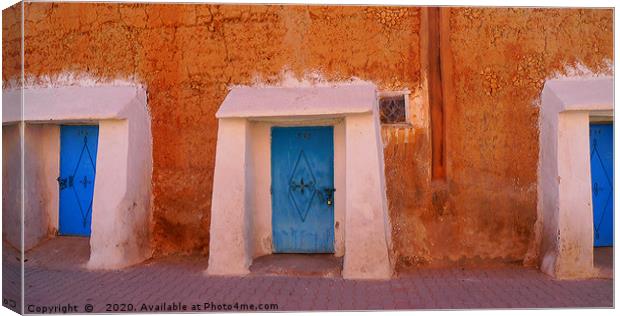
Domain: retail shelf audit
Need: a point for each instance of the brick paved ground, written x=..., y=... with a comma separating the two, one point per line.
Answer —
x=181, y=279
x=11, y=280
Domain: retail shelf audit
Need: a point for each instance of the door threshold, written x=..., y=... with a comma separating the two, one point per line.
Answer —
x=293, y=264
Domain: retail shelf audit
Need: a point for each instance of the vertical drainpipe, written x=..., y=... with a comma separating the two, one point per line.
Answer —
x=435, y=93
x=437, y=56
x=437, y=65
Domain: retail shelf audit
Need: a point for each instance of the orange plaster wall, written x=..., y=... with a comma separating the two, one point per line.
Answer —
x=187, y=55
x=486, y=209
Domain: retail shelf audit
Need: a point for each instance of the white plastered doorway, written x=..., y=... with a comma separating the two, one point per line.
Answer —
x=122, y=195
x=245, y=118
x=564, y=178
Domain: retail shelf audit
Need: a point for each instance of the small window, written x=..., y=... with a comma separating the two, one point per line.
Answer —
x=393, y=108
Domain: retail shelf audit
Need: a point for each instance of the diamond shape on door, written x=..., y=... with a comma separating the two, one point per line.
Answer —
x=302, y=188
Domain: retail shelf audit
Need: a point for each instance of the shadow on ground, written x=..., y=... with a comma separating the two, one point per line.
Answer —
x=55, y=274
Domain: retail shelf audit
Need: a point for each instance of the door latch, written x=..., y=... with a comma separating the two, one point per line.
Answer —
x=63, y=183
x=329, y=192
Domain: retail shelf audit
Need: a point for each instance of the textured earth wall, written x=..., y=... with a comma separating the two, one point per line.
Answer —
x=187, y=55
x=486, y=209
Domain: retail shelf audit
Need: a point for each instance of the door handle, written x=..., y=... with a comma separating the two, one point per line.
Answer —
x=64, y=182
x=329, y=192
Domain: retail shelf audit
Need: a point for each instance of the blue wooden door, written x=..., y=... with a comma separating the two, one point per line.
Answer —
x=302, y=179
x=78, y=158
x=602, y=169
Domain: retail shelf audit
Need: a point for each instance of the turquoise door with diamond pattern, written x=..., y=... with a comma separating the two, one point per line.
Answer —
x=78, y=162
x=602, y=173
x=302, y=189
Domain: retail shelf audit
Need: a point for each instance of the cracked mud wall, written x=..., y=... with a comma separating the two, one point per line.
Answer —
x=486, y=208
x=187, y=55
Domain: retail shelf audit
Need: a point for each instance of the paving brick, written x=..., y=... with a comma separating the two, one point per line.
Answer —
x=181, y=279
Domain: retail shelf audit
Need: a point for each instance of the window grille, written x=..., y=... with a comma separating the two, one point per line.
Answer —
x=393, y=109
